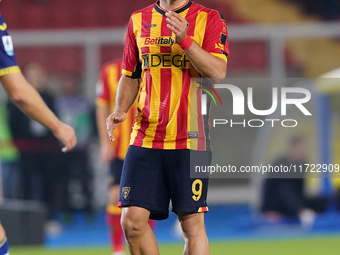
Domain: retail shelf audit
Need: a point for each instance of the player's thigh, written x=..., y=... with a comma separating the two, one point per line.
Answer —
x=188, y=195
x=143, y=183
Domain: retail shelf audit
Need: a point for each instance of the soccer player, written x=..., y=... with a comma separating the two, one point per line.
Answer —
x=29, y=101
x=113, y=154
x=167, y=44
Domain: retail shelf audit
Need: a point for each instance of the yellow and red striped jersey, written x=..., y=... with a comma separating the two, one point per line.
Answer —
x=106, y=95
x=169, y=103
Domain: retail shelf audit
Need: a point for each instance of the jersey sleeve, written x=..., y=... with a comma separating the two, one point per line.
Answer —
x=8, y=63
x=102, y=89
x=216, y=39
x=131, y=65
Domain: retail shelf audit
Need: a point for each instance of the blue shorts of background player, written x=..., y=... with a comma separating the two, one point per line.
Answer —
x=151, y=178
x=115, y=174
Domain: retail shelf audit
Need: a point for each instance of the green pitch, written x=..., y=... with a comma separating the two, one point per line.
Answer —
x=312, y=246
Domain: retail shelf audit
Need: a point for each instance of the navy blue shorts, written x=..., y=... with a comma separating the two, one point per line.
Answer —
x=152, y=178
x=116, y=168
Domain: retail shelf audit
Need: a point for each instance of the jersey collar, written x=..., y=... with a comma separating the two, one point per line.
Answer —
x=180, y=9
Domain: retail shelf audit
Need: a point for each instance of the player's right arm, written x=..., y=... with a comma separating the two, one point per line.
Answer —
x=31, y=103
x=128, y=86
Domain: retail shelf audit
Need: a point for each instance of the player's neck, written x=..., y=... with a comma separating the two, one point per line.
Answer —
x=171, y=4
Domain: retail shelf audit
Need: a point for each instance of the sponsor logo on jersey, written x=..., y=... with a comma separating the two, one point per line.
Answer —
x=8, y=45
x=165, y=60
x=166, y=41
x=150, y=26
x=193, y=134
x=3, y=27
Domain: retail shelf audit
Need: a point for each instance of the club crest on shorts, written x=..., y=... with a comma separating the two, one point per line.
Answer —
x=126, y=192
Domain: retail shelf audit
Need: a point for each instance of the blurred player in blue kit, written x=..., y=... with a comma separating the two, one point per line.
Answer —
x=29, y=101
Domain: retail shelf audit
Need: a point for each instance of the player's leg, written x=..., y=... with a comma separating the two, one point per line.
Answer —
x=138, y=233
x=3, y=242
x=143, y=195
x=113, y=214
x=189, y=196
x=195, y=237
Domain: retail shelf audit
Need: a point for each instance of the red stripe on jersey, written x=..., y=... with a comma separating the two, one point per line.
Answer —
x=166, y=49
x=164, y=108
x=191, y=15
x=182, y=113
x=165, y=97
x=204, y=209
x=200, y=122
x=165, y=32
x=145, y=50
x=146, y=22
x=146, y=110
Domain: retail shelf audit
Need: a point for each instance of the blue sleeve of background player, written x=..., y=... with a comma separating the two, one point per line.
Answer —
x=8, y=63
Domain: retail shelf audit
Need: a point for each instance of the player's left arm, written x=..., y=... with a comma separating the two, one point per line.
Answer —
x=207, y=64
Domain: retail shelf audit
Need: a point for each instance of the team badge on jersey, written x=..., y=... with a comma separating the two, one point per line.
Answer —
x=8, y=45
x=126, y=192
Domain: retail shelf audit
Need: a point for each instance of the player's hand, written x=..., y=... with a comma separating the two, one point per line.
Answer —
x=178, y=25
x=113, y=121
x=67, y=136
x=106, y=152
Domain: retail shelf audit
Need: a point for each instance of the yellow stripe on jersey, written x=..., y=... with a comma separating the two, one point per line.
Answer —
x=137, y=24
x=201, y=23
x=9, y=70
x=156, y=85
x=221, y=56
x=193, y=116
x=127, y=73
x=171, y=129
x=125, y=126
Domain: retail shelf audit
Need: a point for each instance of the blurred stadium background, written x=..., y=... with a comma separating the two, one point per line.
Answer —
x=280, y=40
